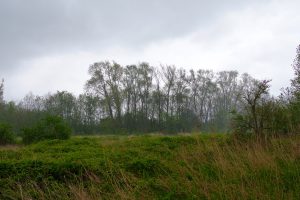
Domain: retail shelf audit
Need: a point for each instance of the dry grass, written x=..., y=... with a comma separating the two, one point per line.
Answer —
x=10, y=147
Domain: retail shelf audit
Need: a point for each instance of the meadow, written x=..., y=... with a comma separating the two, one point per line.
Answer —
x=196, y=166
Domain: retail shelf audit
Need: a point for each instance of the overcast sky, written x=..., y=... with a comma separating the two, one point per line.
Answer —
x=48, y=45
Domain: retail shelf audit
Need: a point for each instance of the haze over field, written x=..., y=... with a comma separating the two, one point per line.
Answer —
x=49, y=45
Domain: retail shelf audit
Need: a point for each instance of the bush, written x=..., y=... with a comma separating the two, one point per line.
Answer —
x=6, y=134
x=49, y=128
x=111, y=126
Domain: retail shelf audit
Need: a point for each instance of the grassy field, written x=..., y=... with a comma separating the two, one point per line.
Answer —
x=152, y=167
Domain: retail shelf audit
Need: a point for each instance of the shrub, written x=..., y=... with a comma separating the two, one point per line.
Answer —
x=145, y=167
x=110, y=126
x=6, y=134
x=49, y=128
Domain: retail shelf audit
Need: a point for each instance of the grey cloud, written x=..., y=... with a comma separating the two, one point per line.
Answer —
x=33, y=33
x=33, y=28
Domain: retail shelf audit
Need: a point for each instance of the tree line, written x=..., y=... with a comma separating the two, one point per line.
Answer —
x=141, y=98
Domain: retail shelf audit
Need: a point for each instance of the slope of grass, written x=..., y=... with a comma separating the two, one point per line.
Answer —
x=152, y=167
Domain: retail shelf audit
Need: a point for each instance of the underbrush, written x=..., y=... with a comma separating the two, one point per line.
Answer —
x=152, y=167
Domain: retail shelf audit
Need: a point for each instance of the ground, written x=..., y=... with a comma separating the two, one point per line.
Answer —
x=198, y=166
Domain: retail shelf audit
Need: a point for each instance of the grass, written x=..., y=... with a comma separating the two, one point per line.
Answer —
x=152, y=167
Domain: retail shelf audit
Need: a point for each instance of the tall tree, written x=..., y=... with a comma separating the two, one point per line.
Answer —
x=255, y=104
x=98, y=85
x=61, y=104
x=2, y=91
x=169, y=76
x=296, y=80
x=226, y=98
x=295, y=91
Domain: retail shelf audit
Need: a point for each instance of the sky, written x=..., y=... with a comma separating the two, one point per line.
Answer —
x=47, y=46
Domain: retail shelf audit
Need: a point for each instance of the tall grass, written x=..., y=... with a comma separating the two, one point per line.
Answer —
x=153, y=167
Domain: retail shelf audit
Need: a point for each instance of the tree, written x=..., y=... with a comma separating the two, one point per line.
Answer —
x=294, y=105
x=2, y=91
x=169, y=76
x=226, y=98
x=49, y=128
x=105, y=82
x=6, y=134
x=157, y=100
x=87, y=114
x=98, y=86
x=254, y=104
x=32, y=103
x=61, y=104
x=296, y=80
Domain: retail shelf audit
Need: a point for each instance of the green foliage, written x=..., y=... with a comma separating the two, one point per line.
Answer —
x=152, y=167
x=1, y=91
x=110, y=126
x=276, y=118
x=6, y=134
x=292, y=95
x=294, y=113
x=145, y=167
x=240, y=124
x=49, y=128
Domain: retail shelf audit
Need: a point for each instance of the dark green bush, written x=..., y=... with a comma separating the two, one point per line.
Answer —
x=6, y=134
x=49, y=128
x=110, y=126
x=145, y=167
